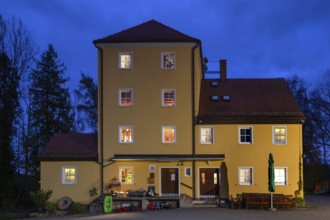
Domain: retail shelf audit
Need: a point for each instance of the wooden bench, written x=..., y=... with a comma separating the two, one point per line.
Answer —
x=262, y=200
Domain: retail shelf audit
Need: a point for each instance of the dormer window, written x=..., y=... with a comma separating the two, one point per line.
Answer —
x=214, y=84
x=215, y=98
x=168, y=60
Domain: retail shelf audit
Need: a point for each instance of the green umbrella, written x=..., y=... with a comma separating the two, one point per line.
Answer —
x=271, y=180
x=271, y=174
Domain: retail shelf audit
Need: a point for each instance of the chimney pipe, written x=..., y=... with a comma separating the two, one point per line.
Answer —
x=223, y=70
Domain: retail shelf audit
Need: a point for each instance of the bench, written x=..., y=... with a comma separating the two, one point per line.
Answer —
x=262, y=200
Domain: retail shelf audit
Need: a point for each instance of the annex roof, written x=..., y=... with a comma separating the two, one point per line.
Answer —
x=73, y=146
x=150, y=31
x=247, y=101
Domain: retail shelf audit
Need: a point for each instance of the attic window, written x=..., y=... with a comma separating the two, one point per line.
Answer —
x=226, y=98
x=215, y=98
x=214, y=84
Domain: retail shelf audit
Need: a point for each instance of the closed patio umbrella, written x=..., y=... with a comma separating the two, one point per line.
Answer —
x=271, y=179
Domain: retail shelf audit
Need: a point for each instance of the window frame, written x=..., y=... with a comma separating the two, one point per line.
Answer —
x=163, y=97
x=251, y=176
x=120, y=98
x=64, y=181
x=285, y=135
x=200, y=134
x=239, y=134
x=162, y=61
x=163, y=137
x=120, y=54
x=120, y=132
x=285, y=176
x=120, y=174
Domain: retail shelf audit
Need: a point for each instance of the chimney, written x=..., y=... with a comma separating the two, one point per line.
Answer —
x=223, y=70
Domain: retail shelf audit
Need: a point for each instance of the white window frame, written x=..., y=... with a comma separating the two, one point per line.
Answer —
x=120, y=175
x=201, y=137
x=187, y=171
x=239, y=134
x=120, y=54
x=125, y=90
x=285, y=176
x=120, y=131
x=274, y=135
x=162, y=64
x=64, y=181
x=163, y=91
x=162, y=136
x=241, y=183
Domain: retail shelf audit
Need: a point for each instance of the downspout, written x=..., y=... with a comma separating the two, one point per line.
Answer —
x=101, y=120
x=193, y=118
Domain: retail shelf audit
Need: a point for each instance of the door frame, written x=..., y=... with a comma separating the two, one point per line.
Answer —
x=160, y=180
x=199, y=188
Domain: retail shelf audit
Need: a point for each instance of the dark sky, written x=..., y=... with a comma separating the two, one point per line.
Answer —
x=259, y=38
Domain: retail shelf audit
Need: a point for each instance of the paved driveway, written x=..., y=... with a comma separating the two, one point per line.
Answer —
x=318, y=208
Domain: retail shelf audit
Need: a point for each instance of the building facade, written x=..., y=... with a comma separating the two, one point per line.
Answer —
x=164, y=127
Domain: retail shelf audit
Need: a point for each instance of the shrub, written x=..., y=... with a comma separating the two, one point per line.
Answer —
x=40, y=198
x=78, y=208
x=51, y=207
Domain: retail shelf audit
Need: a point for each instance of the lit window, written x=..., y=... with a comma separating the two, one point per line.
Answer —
x=203, y=178
x=279, y=135
x=168, y=135
x=69, y=175
x=245, y=135
x=280, y=176
x=245, y=175
x=215, y=178
x=126, y=175
x=125, y=60
x=168, y=60
x=125, y=97
x=206, y=135
x=126, y=134
x=168, y=97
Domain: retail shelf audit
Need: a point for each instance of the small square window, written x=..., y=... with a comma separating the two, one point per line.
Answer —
x=126, y=134
x=168, y=60
x=125, y=60
x=206, y=135
x=168, y=97
x=187, y=171
x=245, y=135
x=279, y=135
x=125, y=97
x=126, y=175
x=69, y=175
x=280, y=176
x=168, y=135
x=245, y=175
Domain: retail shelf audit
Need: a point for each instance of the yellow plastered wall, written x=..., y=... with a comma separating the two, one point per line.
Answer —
x=255, y=155
x=141, y=174
x=88, y=177
x=147, y=116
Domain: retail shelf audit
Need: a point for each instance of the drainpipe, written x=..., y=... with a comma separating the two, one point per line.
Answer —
x=101, y=120
x=193, y=118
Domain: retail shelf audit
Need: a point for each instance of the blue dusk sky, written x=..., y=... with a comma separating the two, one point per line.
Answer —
x=259, y=38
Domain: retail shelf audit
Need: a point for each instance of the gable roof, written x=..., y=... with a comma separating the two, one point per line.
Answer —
x=150, y=31
x=248, y=101
x=62, y=147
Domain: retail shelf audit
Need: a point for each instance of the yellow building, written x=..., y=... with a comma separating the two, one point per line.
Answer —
x=164, y=127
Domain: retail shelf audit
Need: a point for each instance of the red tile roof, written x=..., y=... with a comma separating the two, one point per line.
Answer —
x=71, y=147
x=250, y=101
x=150, y=31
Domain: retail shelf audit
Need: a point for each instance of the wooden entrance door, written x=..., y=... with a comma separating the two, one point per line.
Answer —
x=169, y=181
x=209, y=182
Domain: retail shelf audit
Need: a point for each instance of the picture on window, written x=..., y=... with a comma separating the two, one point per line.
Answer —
x=168, y=60
x=187, y=171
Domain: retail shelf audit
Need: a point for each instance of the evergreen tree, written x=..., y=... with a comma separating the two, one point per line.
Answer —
x=86, y=104
x=9, y=107
x=51, y=110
